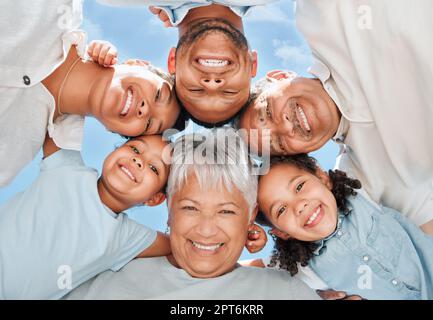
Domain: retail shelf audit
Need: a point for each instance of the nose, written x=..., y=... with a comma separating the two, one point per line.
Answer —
x=300, y=207
x=143, y=109
x=138, y=162
x=287, y=126
x=212, y=82
x=207, y=227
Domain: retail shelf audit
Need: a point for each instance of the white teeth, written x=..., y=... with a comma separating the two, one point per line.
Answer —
x=127, y=103
x=128, y=173
x=304, y=119
x=204, y=247
x=213, y=62
x=313, y=217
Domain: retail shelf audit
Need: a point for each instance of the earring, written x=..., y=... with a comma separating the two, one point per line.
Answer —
x=167, y=230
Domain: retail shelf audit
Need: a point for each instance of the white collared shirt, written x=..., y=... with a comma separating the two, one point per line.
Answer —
x=374, y=59
x=177, y=10
x=35, y=38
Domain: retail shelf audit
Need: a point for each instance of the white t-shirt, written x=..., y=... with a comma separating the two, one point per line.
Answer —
x=58, y=234
x=35, y=38
x=157, y=278
x=374, y=59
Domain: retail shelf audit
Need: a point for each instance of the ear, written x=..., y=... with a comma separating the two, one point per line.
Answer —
x=155, y=200
x=277, y=75
x=172, y=61
x=324, y=177
x=254, y=214
x=280, y=234
x=255, y=63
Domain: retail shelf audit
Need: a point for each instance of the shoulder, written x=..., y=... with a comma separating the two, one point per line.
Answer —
x=277, y=282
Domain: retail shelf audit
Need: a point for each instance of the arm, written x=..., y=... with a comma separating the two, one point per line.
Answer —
x=428, y=228
x=252, y=263
x=49, y=147
x=160, y=247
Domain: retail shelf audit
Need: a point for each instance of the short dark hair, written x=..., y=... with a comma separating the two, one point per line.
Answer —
x=288, y=253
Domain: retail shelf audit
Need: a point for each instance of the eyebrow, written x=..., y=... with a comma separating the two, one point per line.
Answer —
x=146, y=146
x=290, y=182
x=228, y=203
x=183, y=199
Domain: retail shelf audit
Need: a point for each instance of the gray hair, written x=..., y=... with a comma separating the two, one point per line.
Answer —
x=218, y=158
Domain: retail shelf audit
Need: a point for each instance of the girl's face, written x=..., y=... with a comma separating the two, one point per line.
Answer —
x=299, y=204
x=136, y=171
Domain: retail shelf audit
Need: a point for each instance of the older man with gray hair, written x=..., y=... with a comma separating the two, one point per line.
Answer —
x=212, y=205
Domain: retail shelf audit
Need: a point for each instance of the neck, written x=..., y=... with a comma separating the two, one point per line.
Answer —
x=209, y=12
x=76, y=94
x=109, y=199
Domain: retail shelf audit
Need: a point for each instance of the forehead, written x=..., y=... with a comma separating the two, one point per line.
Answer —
x=209, y=195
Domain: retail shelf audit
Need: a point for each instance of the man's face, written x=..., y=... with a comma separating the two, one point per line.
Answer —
x=135, y=102
x=213, y=69
x=208, y=229
x=135, y=172
x=293, y=115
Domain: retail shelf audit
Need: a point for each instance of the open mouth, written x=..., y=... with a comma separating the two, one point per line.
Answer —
x=207, y=247
x=315, y=217
x=213, y=63
x=219, y=64
x=128, y=173
x=303, y=121
x=128, y=102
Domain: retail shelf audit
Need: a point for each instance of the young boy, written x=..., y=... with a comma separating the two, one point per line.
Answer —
x=68, y=226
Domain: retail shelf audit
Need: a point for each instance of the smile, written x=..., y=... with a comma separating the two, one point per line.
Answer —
x=302, y=118
x=209, y=247
x=128, y=102
x=315, y=217
x=213, y=63
x=128, y=173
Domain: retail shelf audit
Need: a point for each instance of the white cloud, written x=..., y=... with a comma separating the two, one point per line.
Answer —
x=291, y=54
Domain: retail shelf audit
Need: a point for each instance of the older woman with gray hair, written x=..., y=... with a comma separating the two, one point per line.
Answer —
x=212, y=204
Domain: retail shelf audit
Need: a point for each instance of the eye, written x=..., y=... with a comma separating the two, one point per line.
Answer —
x=268, y=112
x=158, y=95
x=190, y=208
x=227, y=212
x=149, y=121
x=281, y=211
x=196, y=90
x=154, y=169
x=299, y=187
x=135, y=149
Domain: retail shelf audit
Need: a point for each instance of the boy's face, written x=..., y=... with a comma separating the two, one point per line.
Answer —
x=135, y=172
x=213, y=68
x=135, y=101
x=298, y=203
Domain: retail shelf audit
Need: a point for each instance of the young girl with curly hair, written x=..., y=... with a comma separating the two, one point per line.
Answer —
x=352, y=244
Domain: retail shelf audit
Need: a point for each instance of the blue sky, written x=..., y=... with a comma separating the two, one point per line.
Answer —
x=137, y=34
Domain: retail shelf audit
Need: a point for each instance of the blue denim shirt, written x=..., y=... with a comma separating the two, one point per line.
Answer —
x=177, y=10
x=376, y=253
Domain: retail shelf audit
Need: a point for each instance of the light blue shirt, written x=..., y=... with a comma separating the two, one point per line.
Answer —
x=177, y=10
x=57, y=234
x=376, y=253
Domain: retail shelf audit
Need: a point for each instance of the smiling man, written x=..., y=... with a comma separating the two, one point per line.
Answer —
x=212, y=62
x=371, y=93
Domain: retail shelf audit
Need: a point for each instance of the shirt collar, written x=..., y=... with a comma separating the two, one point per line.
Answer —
x=321, y=244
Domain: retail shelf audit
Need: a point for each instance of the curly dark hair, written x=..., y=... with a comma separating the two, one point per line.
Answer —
x=288, y=253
